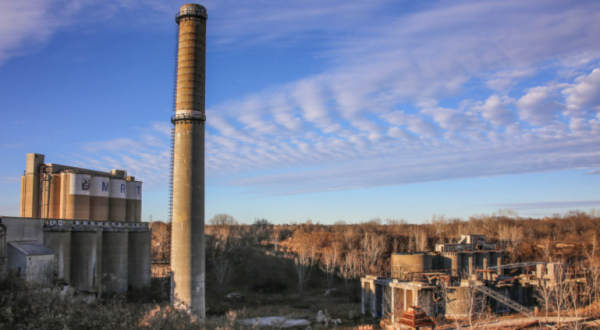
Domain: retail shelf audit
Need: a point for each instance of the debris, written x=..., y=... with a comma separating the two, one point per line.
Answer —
x=274, y=322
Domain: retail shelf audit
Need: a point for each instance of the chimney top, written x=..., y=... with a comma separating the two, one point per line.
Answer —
x=191, y=10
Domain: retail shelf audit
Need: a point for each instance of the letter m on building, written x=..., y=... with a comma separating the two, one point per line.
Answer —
x=104, y=186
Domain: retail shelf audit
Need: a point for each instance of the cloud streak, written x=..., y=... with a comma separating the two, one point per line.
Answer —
x=435, y=92
x=550, y=205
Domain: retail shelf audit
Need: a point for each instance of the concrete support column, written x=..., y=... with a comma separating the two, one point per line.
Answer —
x=363, y=292
x=499, y=263
x=384, y=294
x=115, y=246
x=377, y=302
x=58, y=239
x=140, y=258
x=393, y=302
x=86, y=259
x=471, y=270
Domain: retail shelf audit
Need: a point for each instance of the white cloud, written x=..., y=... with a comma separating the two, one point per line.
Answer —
x=539, y=106
x=584, y=94
x=25, y=24
x=495, y=111
x=145, y=155
x=413, y=123
x=404, y=97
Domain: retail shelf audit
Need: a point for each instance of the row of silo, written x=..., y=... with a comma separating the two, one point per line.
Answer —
x=85, y=197
x=458, y=262
x=468, y=262
x=116, y=259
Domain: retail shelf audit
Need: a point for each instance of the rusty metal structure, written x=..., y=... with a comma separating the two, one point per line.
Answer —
x=187, y=248
x=414, y=318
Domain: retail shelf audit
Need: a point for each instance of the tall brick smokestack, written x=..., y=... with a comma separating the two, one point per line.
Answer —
x=187, y=245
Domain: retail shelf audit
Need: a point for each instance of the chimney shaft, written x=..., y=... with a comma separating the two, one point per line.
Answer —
x=187, y=246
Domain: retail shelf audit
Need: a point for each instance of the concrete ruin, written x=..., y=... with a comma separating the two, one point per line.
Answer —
x=54, y=191
x=449, y=281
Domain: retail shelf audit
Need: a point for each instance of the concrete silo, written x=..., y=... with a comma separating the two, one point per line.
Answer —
x=86, y=257
x=99, y=198
x=117, y=201
x=403, y=263
x=134, y=200
x=75, y=196
x=139, y=272
x=115, y=262
x=58, y=239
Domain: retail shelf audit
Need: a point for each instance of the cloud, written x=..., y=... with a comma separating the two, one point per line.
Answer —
x=495, y=111
x=550, y=205
x=593, y=172
x=146, y=155
x=455, y=90
x=25, y=24
x=539, y=106
x=400, y=104
x=584, y=94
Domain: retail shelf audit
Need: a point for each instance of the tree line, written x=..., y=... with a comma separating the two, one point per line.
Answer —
x=348, y=251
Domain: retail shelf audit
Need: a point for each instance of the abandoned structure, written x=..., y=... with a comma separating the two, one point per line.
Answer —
x=77, y=227
x=448, y=281
x=187, y=248
x=463, y=258
x=53, y=191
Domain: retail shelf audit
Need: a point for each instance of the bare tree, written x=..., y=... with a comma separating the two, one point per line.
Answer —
x=220, y=240
x=396, y=229
x=329, y=259
x=573, y=292
x=349, y=268
x=511, y=236
x=559, y=290
x=222, y=270
x=547, y=247
x=543, y=294
x=439, y=224
x=372, y=247
x=421, y=240
x=306, y=258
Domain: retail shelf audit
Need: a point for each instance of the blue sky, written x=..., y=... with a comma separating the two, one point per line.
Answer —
x=321, y=110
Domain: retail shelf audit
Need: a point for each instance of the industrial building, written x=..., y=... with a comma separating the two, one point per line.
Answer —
x=53, y=191
x=77, y=227
x=446, y=282
x=463, y=258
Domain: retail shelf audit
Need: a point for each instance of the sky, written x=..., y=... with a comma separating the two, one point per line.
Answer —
x=318, y=110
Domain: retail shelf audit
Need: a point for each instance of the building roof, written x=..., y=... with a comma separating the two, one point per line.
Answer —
x=31, y=248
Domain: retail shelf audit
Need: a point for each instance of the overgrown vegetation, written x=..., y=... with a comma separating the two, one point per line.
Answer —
x=293, y=270
x=238, y=254
x=23, y=306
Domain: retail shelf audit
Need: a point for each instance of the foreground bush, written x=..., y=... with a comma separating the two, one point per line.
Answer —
x=23, y=306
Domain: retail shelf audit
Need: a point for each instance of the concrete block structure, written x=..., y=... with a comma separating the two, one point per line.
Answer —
x=53, y=191
x=91, y=256
x=444, y=282
x=31, y=260
x=471, y=253
x=71, y=232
